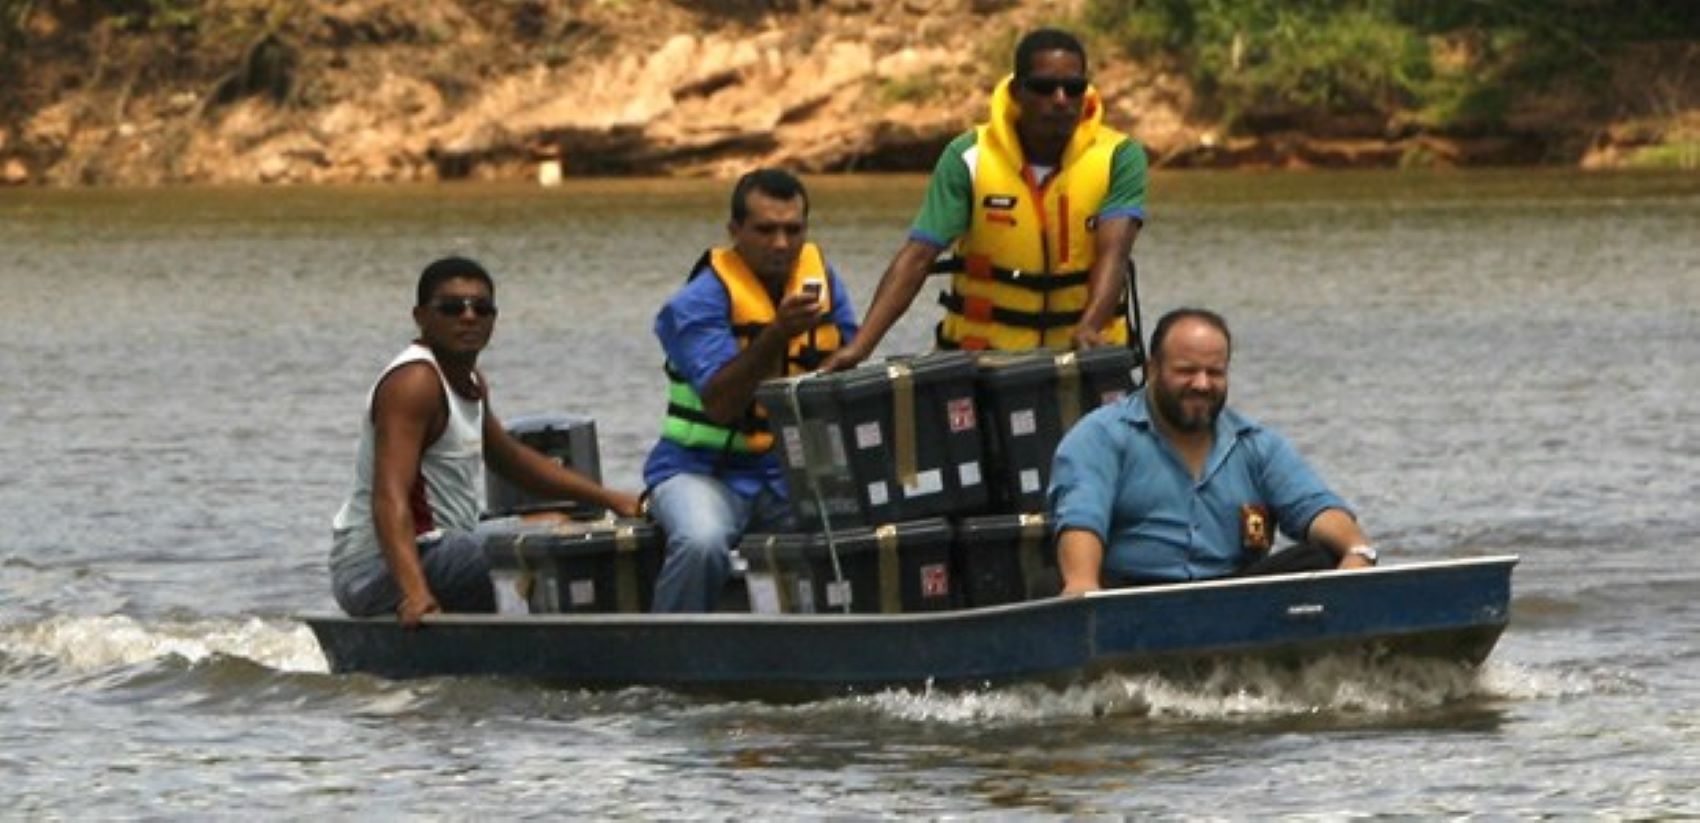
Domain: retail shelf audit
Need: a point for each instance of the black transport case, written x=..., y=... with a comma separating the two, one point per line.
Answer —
x=882, y=443
x=901, y=567
x=602, y=566
x=1028, y=400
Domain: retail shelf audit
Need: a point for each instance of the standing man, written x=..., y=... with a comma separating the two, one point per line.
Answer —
x=403, y=540
x=1169, y=485
x=1043, y=203
x=766, y=307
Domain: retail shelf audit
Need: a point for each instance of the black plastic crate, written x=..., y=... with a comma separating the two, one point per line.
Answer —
x=568, y=439
x=882, y=443
x=901, y=567
x=1005, y=558
x=1028, y=401
x=603, y=566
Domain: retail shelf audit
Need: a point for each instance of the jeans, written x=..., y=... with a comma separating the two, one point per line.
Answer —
x=703, y=520
x=455, y=570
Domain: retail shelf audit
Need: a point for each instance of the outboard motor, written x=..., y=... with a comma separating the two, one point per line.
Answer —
x=570, y=439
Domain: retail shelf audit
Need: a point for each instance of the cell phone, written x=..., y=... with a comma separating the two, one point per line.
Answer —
x=812, y=288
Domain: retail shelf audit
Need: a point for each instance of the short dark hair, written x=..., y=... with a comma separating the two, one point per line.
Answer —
x=776, y=183
x=451, y=268
x=1040, y=40
x=1187, y=313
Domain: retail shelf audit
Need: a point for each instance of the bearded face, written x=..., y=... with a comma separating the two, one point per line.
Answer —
x=1189, y=379
x=1190, y=405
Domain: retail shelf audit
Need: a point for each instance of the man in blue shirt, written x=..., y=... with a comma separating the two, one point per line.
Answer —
x=1170, y=485
x=766, y=307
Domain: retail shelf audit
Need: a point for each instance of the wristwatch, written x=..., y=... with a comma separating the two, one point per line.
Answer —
x=1365, y=551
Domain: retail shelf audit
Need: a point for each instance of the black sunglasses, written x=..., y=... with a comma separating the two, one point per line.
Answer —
x=457, y=306
x=1047, y=86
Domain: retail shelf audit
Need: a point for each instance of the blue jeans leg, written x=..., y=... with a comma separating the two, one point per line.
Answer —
x=702, y=519
x=770, y=514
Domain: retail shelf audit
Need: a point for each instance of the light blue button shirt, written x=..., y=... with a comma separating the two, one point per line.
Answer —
x=1116, y=477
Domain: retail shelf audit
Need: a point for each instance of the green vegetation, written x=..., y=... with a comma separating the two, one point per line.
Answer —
x=1443, y=64
x=914, y=88
x=1679, y=155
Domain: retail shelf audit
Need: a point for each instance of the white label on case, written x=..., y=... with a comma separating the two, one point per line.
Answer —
x=868, y=436
x=968, y=474
x=877, y=495
x=794, y=454
x=764, y=593
x=1029, y=480
x=508, y=598
x=581, y=592
x=837, y=593
x=1022, y=423
x=803, y=599
x=930, y=481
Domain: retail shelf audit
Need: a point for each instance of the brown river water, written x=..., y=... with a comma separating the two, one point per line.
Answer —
x=1482, y=363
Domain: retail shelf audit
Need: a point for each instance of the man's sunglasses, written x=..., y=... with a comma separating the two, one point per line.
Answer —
x=457, y=306
x=1047, y=86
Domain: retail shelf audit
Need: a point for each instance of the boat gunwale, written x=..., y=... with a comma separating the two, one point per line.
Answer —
x=749, y=619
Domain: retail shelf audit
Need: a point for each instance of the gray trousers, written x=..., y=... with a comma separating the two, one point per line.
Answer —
x=455, y=569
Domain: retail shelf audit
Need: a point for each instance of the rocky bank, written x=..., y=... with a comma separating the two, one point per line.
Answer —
x=318, y=91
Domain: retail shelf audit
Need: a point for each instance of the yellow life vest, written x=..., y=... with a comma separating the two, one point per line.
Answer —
x=1021, y=269
x=752, y=311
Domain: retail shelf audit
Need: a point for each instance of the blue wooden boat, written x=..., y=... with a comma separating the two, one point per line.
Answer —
x=1451, y=610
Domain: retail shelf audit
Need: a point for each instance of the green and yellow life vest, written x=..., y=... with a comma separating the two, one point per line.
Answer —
x=1019, y=274
x=687, y=424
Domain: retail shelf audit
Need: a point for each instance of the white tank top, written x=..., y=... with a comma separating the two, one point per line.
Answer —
x=446, y=495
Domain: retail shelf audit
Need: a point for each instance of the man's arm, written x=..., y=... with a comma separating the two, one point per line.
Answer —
x=898, y=286
x=1107, y=281
x=1081, y=499
x=1297, y=493
x=1080, y=558
x=407, y=413
x=729, y=392
x=536, y=473
x=944, y=215
x=1337, y=531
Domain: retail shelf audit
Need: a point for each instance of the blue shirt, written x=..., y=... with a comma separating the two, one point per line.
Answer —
x=1115, y=476
x=695, y=330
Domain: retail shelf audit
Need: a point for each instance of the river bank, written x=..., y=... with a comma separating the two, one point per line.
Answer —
x=310, y=91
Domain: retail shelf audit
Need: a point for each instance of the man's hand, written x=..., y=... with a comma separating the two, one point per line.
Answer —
x=847, y=357
x=1078, y=588
x=797, y=313
x=625, y=505
x=414, y=607
x=1087, y=338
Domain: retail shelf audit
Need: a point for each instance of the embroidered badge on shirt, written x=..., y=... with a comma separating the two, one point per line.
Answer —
x=1255, y=534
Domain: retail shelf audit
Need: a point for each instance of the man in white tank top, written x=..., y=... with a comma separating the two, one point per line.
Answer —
x=403, y=540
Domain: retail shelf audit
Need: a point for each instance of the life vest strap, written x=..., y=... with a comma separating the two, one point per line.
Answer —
x=980, y=310
x=980, y=268
x=748, y=424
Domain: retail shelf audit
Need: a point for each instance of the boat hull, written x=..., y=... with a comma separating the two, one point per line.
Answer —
x=1448, y=610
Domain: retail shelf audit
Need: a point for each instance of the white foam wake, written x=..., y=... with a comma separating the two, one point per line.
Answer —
x=94, y=643
x=1241, y=691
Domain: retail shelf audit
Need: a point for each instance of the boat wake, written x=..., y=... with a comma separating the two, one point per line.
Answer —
x=1251, y=691
x=92, y=644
